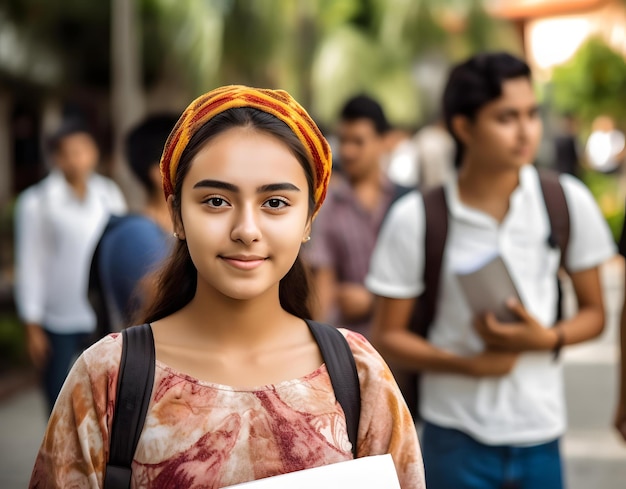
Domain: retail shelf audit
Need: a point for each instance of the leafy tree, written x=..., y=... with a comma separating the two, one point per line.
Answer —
x=592, y=83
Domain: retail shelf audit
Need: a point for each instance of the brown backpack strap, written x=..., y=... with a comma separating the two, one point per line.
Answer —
x=558, y=212
x=436, y=231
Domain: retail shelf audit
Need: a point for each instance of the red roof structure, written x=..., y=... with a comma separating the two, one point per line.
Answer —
x=532, y=9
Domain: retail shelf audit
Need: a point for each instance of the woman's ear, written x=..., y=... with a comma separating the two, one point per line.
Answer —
x=462, y=128
x=177, y=225
x=307, y=231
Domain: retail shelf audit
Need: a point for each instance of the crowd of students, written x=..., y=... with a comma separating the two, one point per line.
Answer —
x=242, y=388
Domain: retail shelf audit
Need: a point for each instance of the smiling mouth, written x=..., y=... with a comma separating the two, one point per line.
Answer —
x=243, y=263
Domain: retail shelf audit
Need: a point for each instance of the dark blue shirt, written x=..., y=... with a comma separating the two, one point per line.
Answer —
x=135, y=247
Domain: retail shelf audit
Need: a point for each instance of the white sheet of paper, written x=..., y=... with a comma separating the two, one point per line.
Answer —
x=375, y=472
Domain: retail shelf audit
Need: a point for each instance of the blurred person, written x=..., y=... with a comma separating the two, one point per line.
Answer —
x=435, y=155
x=57, y=224
x=402, y=165
x=345, y=232
x=491, y=397
x=241, y=389
x=566, y=146
x=606, y=145
x=131, y=246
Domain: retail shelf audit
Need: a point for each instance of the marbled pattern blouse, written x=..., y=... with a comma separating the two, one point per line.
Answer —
x=204, y=435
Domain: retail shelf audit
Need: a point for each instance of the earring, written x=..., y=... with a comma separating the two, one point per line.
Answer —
x=175, y=235
x=307, y=239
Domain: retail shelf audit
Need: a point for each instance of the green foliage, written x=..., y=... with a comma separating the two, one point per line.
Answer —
x=322, y=51
x=592, y=83
x=605, y=188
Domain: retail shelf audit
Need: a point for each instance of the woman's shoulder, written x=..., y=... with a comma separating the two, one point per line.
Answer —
x=369, y=362
x=104, y=355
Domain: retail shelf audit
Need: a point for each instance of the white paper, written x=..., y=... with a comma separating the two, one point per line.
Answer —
x=375, y=472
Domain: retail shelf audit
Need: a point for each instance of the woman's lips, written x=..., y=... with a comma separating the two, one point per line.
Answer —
x=244, y=263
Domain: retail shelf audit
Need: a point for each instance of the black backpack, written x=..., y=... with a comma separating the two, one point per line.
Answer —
x=436, y=231
x=136, y=379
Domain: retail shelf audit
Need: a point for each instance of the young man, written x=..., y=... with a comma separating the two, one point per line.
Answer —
x=58, y=222
x=132, y=246
x=344, y=233
x=491, y=393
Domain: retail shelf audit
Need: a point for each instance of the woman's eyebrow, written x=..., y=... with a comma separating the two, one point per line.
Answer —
x=276, y=187
x=216, y=184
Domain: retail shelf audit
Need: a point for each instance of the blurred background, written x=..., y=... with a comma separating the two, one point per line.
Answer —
x=113, y=62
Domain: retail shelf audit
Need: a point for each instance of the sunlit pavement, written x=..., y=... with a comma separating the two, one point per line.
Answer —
x=595, y=458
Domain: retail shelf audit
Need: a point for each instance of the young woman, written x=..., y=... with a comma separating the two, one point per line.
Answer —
x=240, y=391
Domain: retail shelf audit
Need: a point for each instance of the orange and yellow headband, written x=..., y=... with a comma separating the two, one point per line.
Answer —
x=276, y=102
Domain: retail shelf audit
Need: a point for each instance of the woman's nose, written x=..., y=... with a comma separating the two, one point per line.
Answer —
x=246, y=226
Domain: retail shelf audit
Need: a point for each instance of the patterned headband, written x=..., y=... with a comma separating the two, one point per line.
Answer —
x=276, y=102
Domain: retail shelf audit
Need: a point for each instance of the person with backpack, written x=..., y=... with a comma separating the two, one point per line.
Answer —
x=57, y=224
x=133, y=245
x=491, y=393
x=242, y=385
x=345, y=232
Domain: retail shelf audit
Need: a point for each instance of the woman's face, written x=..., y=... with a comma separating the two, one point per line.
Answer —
x=244, y=212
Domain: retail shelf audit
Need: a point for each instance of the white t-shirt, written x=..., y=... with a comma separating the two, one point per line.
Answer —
x=55, y=236
x=526, y=406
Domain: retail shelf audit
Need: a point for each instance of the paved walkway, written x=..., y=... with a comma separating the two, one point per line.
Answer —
x=595, y=458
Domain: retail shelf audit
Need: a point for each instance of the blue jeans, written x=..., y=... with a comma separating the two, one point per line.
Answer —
x=64, y=348
x=454, y=460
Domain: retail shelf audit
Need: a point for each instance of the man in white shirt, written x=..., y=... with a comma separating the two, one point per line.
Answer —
x=491, y=393
x=57, y=224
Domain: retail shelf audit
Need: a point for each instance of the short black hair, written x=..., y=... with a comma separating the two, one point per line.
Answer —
x=67, y=128
x=474, y=83
x=144, y=146
x=364, y=107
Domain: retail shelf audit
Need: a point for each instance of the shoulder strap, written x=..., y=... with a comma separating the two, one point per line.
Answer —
x=134, y=389
x=558, y=212
x=343, y=374
x=435, y=235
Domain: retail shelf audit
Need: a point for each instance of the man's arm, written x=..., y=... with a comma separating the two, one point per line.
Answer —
x=29, y=274
x=391, y=335
x=529, y=335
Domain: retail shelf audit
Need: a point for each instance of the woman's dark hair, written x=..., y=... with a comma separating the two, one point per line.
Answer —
x=176, y=281
x=476, y=82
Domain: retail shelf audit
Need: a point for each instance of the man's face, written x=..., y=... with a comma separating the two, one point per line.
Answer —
x=360, y=147
x=76, y=156
x=507, y=131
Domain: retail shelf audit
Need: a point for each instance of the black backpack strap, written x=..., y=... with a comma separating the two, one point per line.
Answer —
x=558, y=212
x=435, y=235
x=343, y=374
x=134, y=389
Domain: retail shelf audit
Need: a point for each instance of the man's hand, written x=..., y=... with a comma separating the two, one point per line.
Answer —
x=524, y=335
x=37, y=345
x=490, y=364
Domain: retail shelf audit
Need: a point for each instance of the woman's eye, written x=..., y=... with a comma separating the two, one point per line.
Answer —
x=216, y=202
x=275, y=203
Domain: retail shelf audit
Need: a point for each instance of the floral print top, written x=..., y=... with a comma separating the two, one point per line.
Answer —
x=203, y=435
